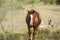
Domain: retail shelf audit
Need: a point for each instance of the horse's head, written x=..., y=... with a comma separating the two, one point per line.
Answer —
x=31, y=11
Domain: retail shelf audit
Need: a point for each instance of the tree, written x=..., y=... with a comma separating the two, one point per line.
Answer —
x=57, y=2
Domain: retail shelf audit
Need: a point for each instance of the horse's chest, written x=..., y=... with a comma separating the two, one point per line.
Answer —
x=33, y=20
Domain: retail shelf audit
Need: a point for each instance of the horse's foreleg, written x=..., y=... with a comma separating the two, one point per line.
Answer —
x=35, y=33
x=30, y=33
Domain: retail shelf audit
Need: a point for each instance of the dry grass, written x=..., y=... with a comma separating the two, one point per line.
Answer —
x=14, y=20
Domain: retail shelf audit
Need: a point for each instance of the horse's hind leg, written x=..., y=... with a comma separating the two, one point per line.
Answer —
x=35, y=33
x=30, y=33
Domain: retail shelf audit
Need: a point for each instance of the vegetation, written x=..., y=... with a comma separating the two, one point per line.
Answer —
x=10, y=9
x=14, y=2
x=52, y=1
x=43, y=34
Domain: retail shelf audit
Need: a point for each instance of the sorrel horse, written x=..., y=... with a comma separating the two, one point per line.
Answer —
x=33, y=20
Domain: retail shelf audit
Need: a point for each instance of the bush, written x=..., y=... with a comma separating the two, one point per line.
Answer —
x=52, y=2
x=57, y=2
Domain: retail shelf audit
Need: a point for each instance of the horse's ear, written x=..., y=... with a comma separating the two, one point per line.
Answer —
x=33, y=11
x=28, y=11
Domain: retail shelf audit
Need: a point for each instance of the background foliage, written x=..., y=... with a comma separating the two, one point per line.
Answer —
x=12, y=10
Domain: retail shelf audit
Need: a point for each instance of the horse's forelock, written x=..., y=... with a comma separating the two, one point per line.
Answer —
x=32, y=11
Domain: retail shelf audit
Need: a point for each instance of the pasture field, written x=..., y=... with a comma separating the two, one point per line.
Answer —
x=13, y=25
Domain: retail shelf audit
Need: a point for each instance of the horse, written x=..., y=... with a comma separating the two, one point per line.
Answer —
x=33, y=20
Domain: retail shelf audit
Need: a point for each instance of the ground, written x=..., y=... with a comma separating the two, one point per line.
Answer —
x=14, y=20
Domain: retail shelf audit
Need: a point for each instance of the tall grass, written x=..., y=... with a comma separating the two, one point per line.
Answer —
x=44, y=34
x=9, y=5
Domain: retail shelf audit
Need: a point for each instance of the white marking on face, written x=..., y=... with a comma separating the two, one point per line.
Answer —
x=31, y=21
